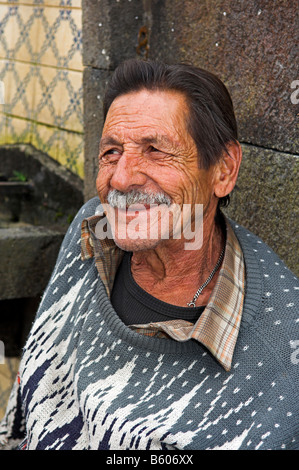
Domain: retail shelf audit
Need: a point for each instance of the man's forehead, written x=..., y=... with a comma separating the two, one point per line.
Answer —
x=151, y=102
x=147, y=116
x=152, y=138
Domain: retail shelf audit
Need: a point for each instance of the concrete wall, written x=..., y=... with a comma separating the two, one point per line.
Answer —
x=251, y=46
x=41, y=70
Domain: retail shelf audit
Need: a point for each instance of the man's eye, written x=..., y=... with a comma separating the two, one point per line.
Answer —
x=154, y=149
x=156, y=153
x=109, y=155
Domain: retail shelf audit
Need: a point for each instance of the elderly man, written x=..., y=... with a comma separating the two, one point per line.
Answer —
x=164, y=325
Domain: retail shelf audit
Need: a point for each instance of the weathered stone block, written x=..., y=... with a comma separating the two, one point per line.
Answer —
x=266, y=200
x=111, y=31
x=252, y=47
x=28, y=255
x=54, y=193
x=34, y=217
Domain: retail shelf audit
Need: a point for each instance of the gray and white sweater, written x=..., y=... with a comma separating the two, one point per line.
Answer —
x=87, y=381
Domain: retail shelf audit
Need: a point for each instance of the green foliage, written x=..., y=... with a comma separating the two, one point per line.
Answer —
x=18, y=176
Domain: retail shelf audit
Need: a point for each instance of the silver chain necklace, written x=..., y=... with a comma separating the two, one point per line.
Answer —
x=199, y=291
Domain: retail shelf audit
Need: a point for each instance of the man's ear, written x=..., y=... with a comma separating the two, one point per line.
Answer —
x=227, y=169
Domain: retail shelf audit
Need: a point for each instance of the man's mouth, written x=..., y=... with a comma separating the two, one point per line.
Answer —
x=136, y=200
x=137, y=207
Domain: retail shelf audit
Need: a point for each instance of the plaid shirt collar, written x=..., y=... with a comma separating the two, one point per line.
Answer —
x=218, y=326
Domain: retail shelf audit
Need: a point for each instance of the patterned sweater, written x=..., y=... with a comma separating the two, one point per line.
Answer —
x=87, y=381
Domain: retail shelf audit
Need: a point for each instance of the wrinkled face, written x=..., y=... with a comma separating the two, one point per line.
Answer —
x=147, y=154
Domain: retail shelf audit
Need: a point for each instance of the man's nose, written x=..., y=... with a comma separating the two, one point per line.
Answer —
x=128, y=173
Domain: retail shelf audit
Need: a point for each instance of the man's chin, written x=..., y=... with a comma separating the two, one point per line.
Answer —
x=136, y=245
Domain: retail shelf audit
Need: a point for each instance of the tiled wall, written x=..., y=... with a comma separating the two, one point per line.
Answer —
x=41, y=69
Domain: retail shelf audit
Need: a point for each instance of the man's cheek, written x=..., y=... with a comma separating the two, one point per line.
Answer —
x=102, y=181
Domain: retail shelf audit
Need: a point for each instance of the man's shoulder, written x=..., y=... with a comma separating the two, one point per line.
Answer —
x=90, y=208
x=74, y=232
x=270, y=313
x=272, y=289
x=256, y=248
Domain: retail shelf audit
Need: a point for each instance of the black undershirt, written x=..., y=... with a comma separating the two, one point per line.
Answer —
x=135, y=306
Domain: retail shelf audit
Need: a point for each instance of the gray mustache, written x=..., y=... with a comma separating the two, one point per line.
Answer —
x=123, y=200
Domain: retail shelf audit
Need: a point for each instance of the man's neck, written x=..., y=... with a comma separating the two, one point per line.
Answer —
x=173, y=274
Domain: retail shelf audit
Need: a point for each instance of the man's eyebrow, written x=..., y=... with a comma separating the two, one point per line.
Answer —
x=157, y=139
x=150, y=139
x=109, y=140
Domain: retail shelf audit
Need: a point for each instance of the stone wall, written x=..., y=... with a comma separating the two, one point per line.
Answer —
x=251, y=46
